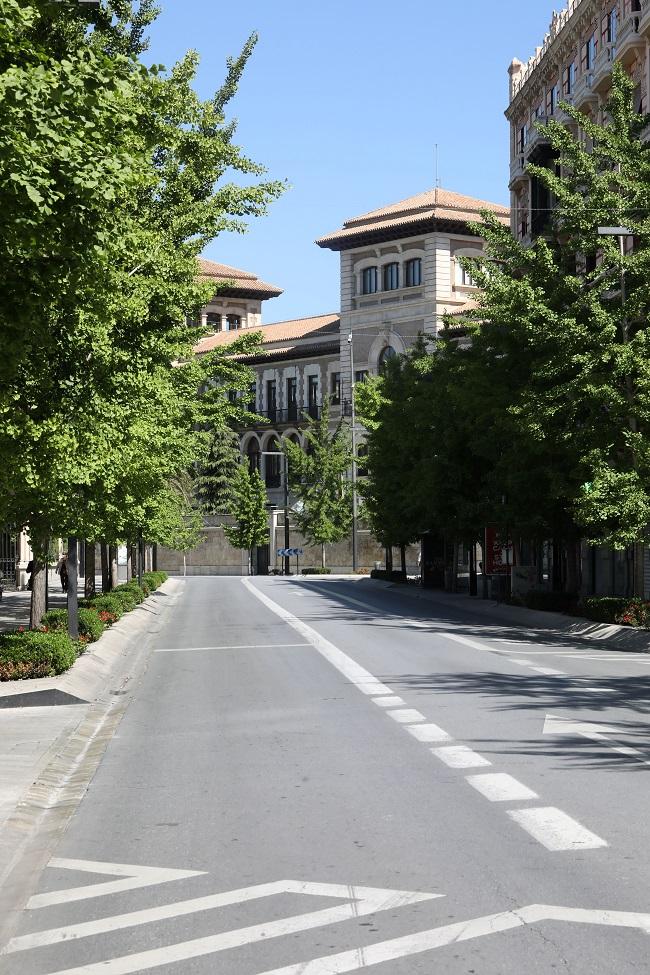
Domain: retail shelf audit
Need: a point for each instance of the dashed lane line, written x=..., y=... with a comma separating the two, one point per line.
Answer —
x=389, y=702
x=407, y=716
x=501, y=787
x=460, y=756
x=555, y=830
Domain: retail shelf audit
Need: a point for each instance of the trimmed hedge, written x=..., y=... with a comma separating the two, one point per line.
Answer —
x=90, y=625
x=35, y=654
x=106, y=604
x=394, y=576
x=155, y=579
x=316, y=571
x=617, y=609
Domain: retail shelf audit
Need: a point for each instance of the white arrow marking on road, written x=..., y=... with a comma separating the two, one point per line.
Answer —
x=362, y=901
x=554, y=725
x=414, y=944
x=134, y=877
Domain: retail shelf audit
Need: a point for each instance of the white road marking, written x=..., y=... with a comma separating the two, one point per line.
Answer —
x=428, y=732
x=362, y=901
x=521, y=661
x=549, y=672
x=460, y=756
x=408, y=716
x=247, y=646
x=556, y=830
x=388, y=702
x=414, y=944
x=134, y=878
x=501, y=787
x=463, y=639
x=350, y=669
x=554, y=725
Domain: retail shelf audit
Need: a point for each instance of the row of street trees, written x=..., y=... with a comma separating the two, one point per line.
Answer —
x=113, y=178
x=533, y=410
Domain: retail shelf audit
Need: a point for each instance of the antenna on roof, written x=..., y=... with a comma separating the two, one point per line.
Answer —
x=437, y=160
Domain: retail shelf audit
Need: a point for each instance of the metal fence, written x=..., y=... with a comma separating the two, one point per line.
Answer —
x=7, y=559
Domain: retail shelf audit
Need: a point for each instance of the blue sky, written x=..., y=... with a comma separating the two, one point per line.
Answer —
x=346, y=101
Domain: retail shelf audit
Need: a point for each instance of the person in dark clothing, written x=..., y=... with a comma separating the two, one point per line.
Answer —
x=31, y=566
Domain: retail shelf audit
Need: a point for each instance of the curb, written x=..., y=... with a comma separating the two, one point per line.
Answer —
x=87, y=679
x=609, y=635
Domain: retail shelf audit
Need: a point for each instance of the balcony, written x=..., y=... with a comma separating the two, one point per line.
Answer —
x=291, y=415
x=517, y=170
x=584, y=95
x=630, y=40
x=602, y=73
x=644, y=21
x=536, y=139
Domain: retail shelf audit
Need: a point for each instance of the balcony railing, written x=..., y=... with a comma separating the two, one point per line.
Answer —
x=292, y=414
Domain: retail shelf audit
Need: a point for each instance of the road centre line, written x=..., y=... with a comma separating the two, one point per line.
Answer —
x=428, y=732
x=501, y=787
x=549, y=672
x=354, y=672
x=243, y=646
x=555, y=830
x=407, y=716
x=460, y=756
x=361, y=902
x=389, y=702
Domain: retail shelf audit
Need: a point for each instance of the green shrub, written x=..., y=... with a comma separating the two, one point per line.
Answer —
x=91, y=626
x=317, y=571
x=133, y=590
x=30, y=654
x=155, y=579
x=617, y=609
x=551, y=602
x=107, y=604
x=394, y=576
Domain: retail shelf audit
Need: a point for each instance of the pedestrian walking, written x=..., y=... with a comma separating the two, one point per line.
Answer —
x=62, y=571
x=30, y=572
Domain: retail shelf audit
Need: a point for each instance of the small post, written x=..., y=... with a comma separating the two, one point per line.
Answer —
x=287, y=542
x=140, y=556
x=73, y=600
x=353, y=421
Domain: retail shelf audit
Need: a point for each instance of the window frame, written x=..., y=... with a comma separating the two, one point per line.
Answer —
x=370, y=280
x=390, y=276
x=409, y=277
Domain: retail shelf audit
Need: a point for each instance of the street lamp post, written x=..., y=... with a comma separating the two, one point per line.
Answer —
x=353, y=419
x=287, y=543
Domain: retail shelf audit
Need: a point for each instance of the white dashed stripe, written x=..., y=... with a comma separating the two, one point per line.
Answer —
x=500, y=787
x=556, y=830
x=460, y=756
x=428, y=732
x=388, y=702
x=407, y=716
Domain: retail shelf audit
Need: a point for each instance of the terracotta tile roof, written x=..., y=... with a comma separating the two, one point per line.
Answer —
x=431, y=205
x=297, y=328
x=243, y=280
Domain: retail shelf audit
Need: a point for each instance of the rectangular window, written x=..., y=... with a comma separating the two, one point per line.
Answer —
x=313, y=396
x=252, y=397
x=463, y=278
x=234, y=322
x=552, y=98
x=233, y=395
x=609, y=26
x=271, y=399
x=523, y=138
x=391, y=277
x=569, y=79
x=335, y=388
x=214, y=321
x=361, y=375
x=292, y=398
x=589, y=51
x=413, y=272
x=369, y=281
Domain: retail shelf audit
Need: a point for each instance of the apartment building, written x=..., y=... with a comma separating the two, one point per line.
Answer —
x=573, y=64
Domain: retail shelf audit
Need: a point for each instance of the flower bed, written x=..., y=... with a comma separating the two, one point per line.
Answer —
x=49, y=651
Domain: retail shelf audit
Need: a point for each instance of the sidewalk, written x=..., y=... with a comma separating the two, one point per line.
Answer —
x=14, y=606
x=605, y=634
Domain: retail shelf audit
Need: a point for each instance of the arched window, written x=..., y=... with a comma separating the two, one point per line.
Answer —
x=369, y=281
x=387, y=353
x=391, y=276
x=413, y=272
x=253, y=454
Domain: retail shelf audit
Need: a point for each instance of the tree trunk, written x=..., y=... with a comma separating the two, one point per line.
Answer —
x=250, y=561
x=322, y=555
x=106, y=576
x=112, y=559
x=37, y=605
x=89, y=570
x=154, y=557
x=389, y=559
x=129, y=563
x=402, y=552
x=556, y=571
x=73, y=584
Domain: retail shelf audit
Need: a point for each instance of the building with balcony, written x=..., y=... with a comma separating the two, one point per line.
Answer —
x=573, y=64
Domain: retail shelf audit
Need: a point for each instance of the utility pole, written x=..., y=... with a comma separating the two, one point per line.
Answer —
x=353, y=417
x=73, y=575
x=287, y=560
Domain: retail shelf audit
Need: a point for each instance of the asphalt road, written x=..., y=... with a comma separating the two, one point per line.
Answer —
x=300, y=751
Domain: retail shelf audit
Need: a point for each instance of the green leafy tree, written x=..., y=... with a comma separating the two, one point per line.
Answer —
x=248, y=508
x=99, y=403
x=318, y=478
x=214, y=485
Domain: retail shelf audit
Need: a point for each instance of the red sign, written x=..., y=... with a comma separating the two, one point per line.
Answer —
x=499, y=553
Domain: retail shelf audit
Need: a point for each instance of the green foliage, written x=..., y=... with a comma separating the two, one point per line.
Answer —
x=318, y=570
x=248, y=508
x=90, y=625
x=107, y=604
x=214, y=483
x=154, y=579
x=617, y=609
x=112, y=181
x=31, y=654
x=317, y=477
